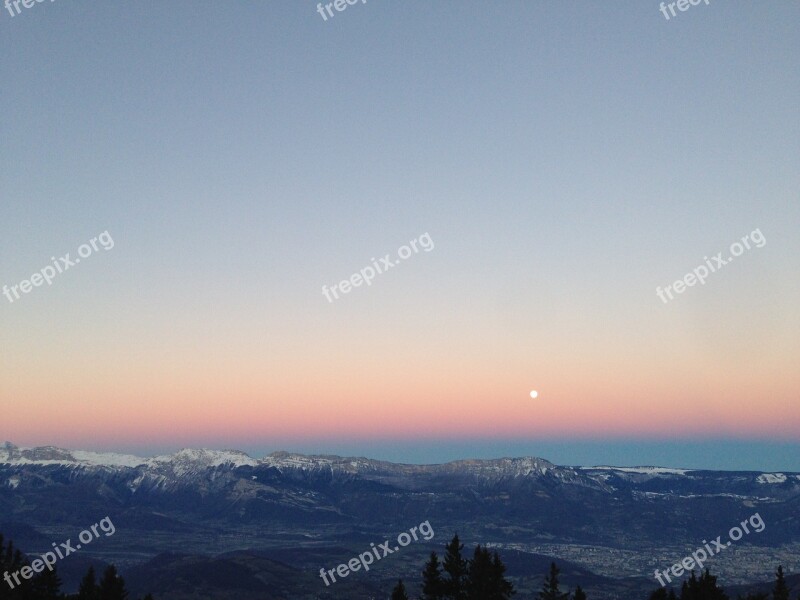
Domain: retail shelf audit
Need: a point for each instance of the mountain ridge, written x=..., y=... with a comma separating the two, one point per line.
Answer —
x=193, y=461
x=610, y=519
x=44, y=455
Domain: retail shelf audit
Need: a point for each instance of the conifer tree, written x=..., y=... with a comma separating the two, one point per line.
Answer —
x=47, y=585
x=12, y=561
x=550, y=589
x=662, y=594
x=687, y=592
x=432, y=584
x=579, y=594
x=485, y=577
x=689, y=588
x=780, y=591
x=399, y=591
x=112, y=586
x=503, y=588
x=704, y=588
x=88, y=586
x=10, y=552
x=455, y=568
x=479, y=576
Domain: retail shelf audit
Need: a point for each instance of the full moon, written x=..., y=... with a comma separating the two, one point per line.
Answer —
x=534, y=394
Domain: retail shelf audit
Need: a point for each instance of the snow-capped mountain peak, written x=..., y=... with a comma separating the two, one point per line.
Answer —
x=203, y=458
x=50, y=455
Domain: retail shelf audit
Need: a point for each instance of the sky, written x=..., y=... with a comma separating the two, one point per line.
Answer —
x=554, y=163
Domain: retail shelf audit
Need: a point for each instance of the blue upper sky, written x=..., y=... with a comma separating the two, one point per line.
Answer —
x=566, y=157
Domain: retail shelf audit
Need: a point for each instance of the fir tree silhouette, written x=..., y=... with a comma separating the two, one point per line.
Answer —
x=399, y=591
x=47, y=585
x=479, y=575
x=780, y=591
x=112, y=586
x=88, y=587
x=550, y=589
x=704, y=588
x=432, y=584
x=455, y=566
x=503, y=589
x=485, y=577
x=659, y=594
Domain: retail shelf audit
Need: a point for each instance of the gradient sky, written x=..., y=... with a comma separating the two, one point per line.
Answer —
x=566, y=158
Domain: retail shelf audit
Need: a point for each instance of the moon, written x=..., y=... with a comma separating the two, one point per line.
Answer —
x=534, y=394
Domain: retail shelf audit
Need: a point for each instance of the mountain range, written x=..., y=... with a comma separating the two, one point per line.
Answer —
x=290, y=514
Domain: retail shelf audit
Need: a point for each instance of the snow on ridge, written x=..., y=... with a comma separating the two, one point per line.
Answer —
x=50, y=455
x=204, y=458
x=641, y=470
x=107, y=459
x=526, y=466
x=771, y=478
x=190, y=460
x=305, y=462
